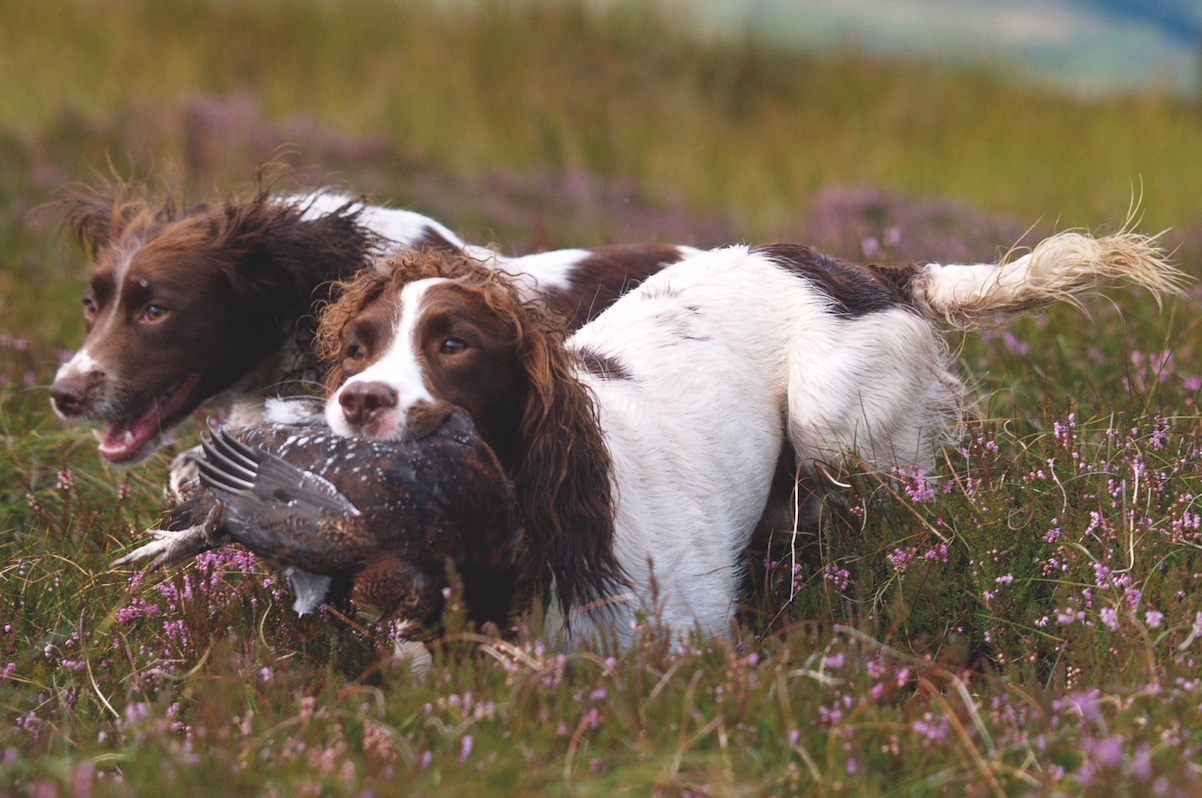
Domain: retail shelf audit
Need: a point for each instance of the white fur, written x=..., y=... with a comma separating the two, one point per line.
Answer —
x=287, y=411
x=399, y=368
x=80, y=363
x=124, y=259
x=402, y=229
x=541, y=271
x=545, y=270
x=729, y=355
x=550, y=271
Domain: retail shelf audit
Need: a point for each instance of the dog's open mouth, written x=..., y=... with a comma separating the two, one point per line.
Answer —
x=126, y=440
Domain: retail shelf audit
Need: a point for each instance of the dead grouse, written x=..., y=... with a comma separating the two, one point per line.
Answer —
x=375, y=520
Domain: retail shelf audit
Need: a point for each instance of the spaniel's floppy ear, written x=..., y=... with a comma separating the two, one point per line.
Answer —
x=563, y=475
x=96, y=216
x=278, y=257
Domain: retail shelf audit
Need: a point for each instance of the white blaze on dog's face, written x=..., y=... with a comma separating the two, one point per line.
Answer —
x=381, y=350
x=417, y=351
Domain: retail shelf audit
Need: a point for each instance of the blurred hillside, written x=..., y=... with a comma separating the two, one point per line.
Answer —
x=549, y=123
x=1089, y=45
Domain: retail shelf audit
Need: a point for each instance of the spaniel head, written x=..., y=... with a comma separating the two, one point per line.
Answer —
x=183, y=304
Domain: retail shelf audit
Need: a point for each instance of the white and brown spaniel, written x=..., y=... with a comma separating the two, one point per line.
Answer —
x=214, y=304
x=642, y=451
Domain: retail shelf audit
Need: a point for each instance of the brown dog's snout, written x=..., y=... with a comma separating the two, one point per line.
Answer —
x=68, y=394
x=362, y=402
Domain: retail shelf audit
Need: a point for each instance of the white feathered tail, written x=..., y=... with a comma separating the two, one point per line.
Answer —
x=1060, y=268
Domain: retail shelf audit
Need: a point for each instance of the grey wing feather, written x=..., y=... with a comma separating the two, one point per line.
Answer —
x=254, y=482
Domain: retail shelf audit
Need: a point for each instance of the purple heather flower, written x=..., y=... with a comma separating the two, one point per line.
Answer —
x=465, y=748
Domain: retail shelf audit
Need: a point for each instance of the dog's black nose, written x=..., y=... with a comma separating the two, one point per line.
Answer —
x=364, y=401
x=68, y=394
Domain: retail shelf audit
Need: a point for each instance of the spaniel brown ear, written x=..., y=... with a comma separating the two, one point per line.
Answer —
x=562, y=479
x=96, y=216
x=277, y=258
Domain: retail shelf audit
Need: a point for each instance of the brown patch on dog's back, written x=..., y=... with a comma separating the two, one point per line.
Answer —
x=855, y=289
x=609, y=272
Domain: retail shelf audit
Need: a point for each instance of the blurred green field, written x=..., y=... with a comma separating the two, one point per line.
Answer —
x=1023, y=622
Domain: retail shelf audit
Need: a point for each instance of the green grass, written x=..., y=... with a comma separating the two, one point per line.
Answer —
x=934, y=638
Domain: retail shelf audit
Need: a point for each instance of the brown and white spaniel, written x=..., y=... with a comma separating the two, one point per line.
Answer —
x=642, y=452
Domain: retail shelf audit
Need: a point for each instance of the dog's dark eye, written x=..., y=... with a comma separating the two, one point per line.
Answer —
x=452, y=346
x=354, y=352
x=89, y=307
x=152, y=313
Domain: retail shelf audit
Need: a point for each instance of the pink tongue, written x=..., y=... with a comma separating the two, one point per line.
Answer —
x=117, y=445
x=124, y=439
